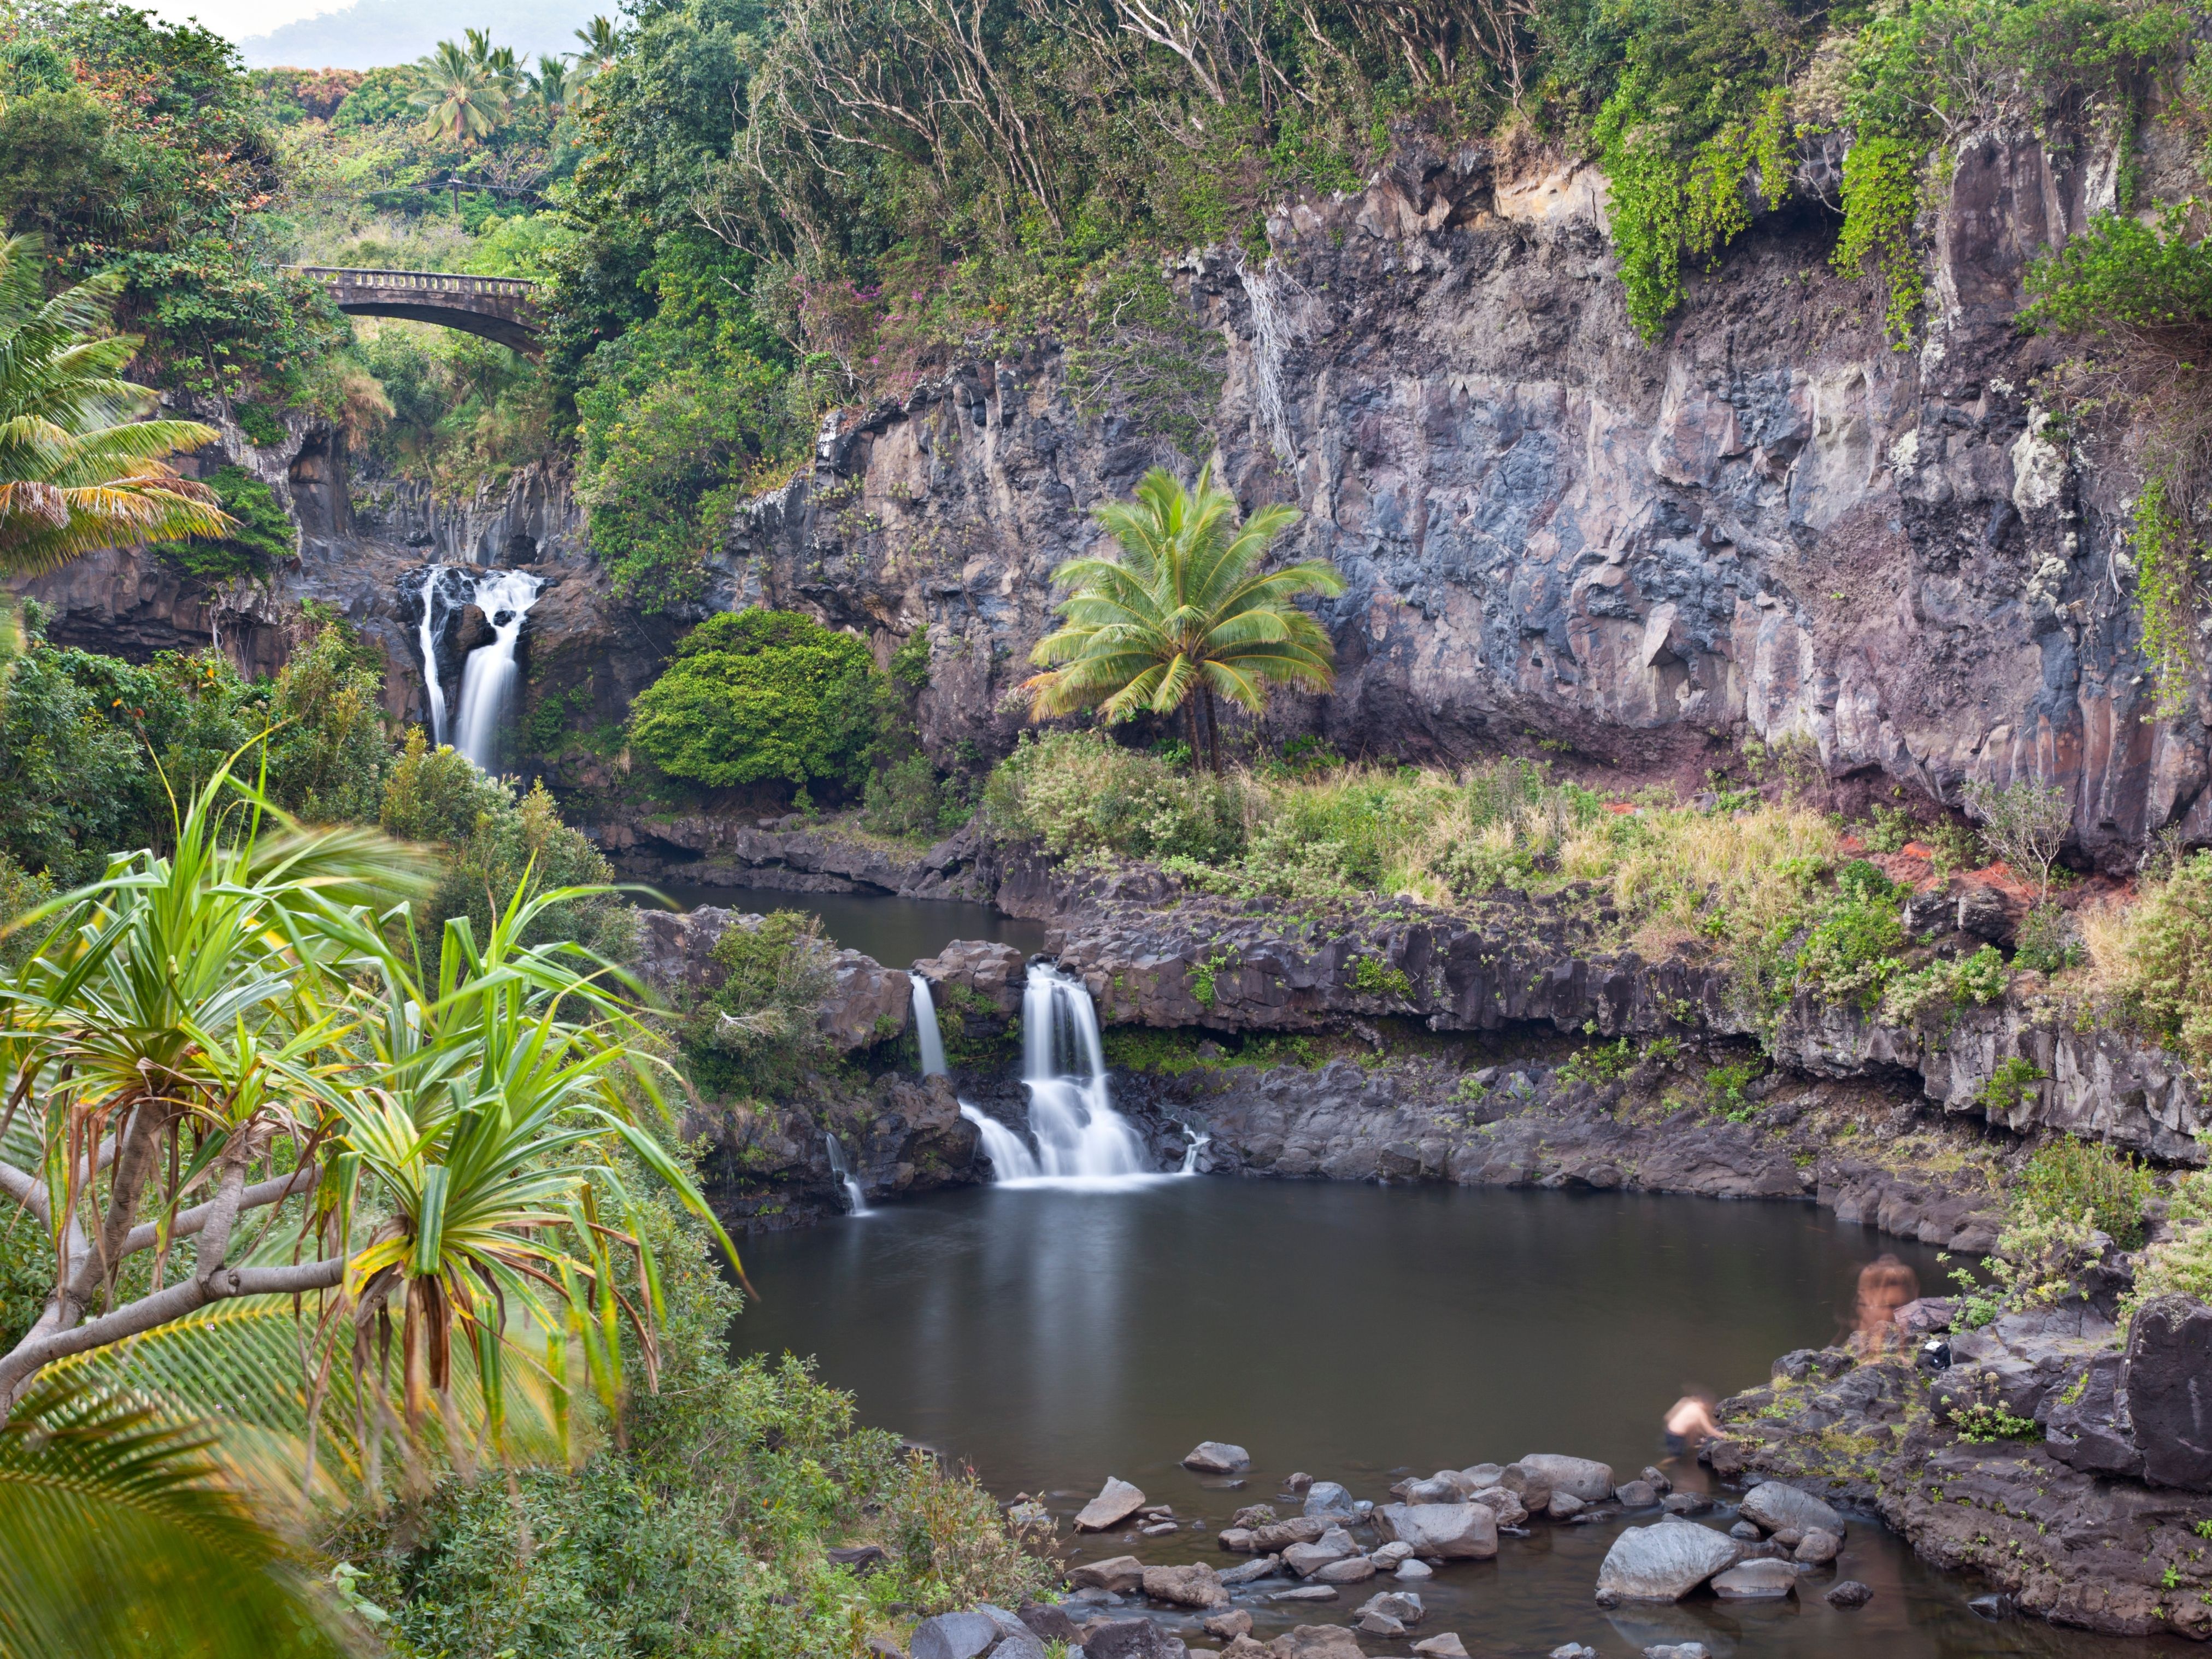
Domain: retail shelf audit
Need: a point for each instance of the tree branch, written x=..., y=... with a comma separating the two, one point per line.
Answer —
x=189, y=1222
x=27, y=1190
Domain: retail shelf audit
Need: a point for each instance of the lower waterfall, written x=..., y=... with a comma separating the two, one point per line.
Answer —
x=488, y=678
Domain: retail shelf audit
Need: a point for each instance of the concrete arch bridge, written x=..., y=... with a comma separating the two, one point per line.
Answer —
x=501, y=308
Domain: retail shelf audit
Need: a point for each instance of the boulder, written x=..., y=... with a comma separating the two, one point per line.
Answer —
x=1564, y=1506
x=1266, y=1568
x=1217, y=1457
x=1480, y=1475
x=1377, y=1624
x=1817, y=1548
x=1120, y=1575
x=1298, y=1483
x=1685, y=1503
x=1389, y=1555
x=1234, y=1622
x=1849, y=1594
x=1531, y=1487
x=1756, y=1581
x=1678, y=1650
x=866, y=1003
x=1310, y=1642
x=1307, y=1560
x=1589, y=1480
x=1656, y=1480
x=1281, y=1534
x=1636, y=1495
x=2168, y=1385
x=1326, y=1497
x=1243, y=1647
x=1446, y=1646
x=1507, y=1507
x=1406, y=1608
x=1129, y=1639
x=1411, y=1572
x=1664, y=1562
x=1574, y=1650
x=1237, y=1541
x=995, y=972
x=1448, y=1532
x=1252, y=1515
x=1049, y=1623
x=1353, y=1570
x=2089, y=1430
x=1116, y=1502
x=1444, y=1486
x=953, y=1636
x=1193, y=1586
x=1775, y=1505
x=1306, y=1593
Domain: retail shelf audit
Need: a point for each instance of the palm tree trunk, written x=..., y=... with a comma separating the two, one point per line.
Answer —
x=1190, y=723
x=1213, y=731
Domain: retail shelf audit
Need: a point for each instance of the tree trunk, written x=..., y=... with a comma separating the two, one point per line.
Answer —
x=1190, y=723
x=1213, y=731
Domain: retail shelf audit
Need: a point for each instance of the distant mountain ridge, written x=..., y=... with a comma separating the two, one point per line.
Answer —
x=369, y=32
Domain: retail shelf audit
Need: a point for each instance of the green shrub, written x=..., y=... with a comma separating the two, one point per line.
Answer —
x=2048, y=940
x=2067, y=1176
x=263, y=540
x=2008, y=1084
x=1375, y=977
x=2162, y=965
x=1080, y=792
x=1599, y=1063
x=1852, y=950
x=758, y=695
x=1946, y=985
x=906, y=799
x=262, y=428
x=756, y=1034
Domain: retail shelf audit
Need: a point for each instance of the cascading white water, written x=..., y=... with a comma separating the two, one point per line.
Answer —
x=856, y=1203
x=1011, y=1158
x=924, y=1028
x=488, y=678
x=1194, y=1143
x=433, y=615
x=1079, y=1133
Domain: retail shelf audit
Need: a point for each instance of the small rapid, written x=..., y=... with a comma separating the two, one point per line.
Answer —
x=488, y=678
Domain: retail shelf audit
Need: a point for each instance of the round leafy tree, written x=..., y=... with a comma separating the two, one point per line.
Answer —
x=755, y=694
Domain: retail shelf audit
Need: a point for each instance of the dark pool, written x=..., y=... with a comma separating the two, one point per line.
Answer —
x=1359, y=1334
x=896, y=932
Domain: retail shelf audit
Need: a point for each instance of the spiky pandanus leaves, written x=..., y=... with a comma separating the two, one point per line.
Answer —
x=118, y=1536
x=78, y=469
x=1183, y=613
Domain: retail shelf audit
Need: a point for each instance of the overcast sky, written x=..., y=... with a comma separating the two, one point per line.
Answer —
x=239, y=18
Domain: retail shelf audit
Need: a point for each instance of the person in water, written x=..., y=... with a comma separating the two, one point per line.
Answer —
x=1885, y=1285
x=1690, y=1423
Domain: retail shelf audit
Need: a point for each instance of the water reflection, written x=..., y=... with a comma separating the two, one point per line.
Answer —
x=896, y=932
x=1360, y=1335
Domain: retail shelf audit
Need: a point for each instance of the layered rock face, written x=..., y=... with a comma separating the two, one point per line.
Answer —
x=1770, y=524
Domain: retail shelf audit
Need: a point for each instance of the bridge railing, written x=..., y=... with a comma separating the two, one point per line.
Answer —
x=423, y=282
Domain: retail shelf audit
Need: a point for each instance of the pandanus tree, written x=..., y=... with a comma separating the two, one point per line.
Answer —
x=226, y=1029
x=1184, y=613
x=78, y=469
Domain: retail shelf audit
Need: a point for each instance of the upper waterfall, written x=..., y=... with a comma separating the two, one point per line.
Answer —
x=926, y=1033
x=487, y=679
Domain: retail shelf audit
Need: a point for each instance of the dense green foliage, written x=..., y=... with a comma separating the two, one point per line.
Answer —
x=2067, y=1176
x=91, y=746
x=755, y=1035
x=261, y=540
x=495, y=847
x=757, y=694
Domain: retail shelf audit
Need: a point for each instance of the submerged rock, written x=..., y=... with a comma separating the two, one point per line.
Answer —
x=1817, y=1548
x=1194, y=1586
x=1774, y=1504
x=1664, y=1562
x=1234, y=1622
x=1850, y=1593
x=1252, y=1570
x=1129, y=1639
x=1756, y=1581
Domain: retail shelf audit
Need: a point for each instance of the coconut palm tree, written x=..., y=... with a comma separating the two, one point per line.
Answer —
x=78, y=471
x=1184, y=611
x=601, y=43
x=464, y=95
x=227, y=1030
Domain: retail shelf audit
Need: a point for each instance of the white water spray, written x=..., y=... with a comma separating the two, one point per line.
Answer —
x=856, y=1203
x=924, y=1028
x=427, y=634
x=487, y=679
x=1010, y=1155
x=1194, y=1143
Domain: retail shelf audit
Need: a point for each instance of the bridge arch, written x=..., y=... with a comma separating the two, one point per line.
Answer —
x=501, y=308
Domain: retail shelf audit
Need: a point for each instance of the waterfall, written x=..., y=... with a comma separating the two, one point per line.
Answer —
x=1079, y=1133
x=1011, y=1158
x=924, y=1028
x=1194, y=1143
x=487, y=679
x=428, y=638
x=856, y=1203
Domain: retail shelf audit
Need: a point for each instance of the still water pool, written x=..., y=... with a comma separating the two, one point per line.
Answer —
x=896, y=932
x=1358, y=1333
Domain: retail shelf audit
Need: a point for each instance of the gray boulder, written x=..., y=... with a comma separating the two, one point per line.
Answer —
x=954, y=1636
x=1194, y=1586
x=1564, y=1506
x=1775, y=1506
x=1505, y=1505
x=1049, y=1623
x=1664, y=1562
x=1636, y=1495
x=1817, y=1548
x=1307, y=1560
x=1450, y=1486
x=1678, y=1650
x=1400, y=1605
x=1411, y=1572
x=1315, y=1642
x=1326, y=1497
x=1352, y=1570
x=1377, y=1624
x=1306, y=1593
x=1446, y=1646
x=2090, y=1432
x=1483, y=1474
x=1217, y=1457
x=1389, y=1555
x=1582, y=1477
x=1268, y=1567
x=1120, y=1574
x=1298, y=1529
x=1448, y=1532
x=2168, y=1383
x=1130, y=1638
x=1685, y=1503
x=1116, y=1502
x=1756, y=1581
x=1849, y=1594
